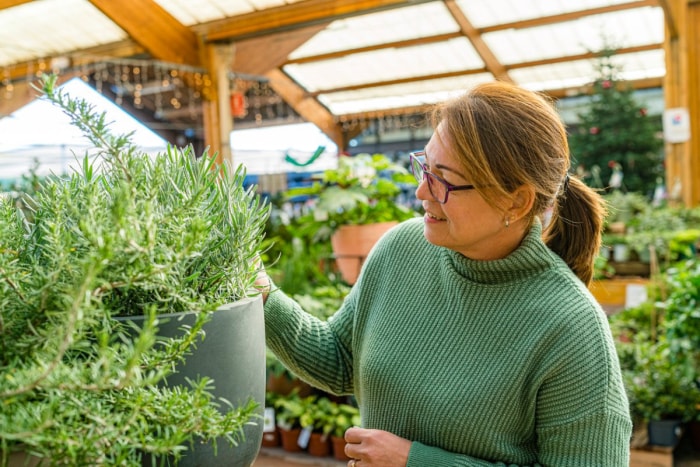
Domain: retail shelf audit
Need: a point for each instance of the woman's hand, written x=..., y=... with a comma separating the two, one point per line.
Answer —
x=375, y=448
x=262, y=282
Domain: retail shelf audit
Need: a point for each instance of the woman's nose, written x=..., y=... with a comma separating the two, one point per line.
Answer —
x=422, y=190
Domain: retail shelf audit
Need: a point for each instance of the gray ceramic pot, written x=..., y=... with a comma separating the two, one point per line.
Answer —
x=233, y=355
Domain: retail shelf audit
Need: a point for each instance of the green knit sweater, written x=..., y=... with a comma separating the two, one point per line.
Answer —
x=479, y=363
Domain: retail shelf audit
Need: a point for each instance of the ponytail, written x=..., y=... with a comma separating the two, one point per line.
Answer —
x=575, y=229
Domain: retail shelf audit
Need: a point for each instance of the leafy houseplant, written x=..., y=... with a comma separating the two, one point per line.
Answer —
x=344, y=416
x=290, y=410
x=362, y=191
x=126, y=234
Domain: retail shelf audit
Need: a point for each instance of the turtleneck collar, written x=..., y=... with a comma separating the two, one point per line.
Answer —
x=531, y=257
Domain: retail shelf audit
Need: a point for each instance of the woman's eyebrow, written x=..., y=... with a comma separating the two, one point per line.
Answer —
x=446, y=168
x=441, y=166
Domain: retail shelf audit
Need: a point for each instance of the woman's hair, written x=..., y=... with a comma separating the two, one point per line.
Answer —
x=506, y=137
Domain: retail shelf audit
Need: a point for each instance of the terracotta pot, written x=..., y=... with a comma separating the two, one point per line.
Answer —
x=283, y=385
x=23, y=459
x=351, y=245
x=338, y=443
x=319, y=445
x=289, y=439
x=271, y=439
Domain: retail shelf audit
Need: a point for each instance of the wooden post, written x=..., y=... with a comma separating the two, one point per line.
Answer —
x=218, y=123
x=682, y=89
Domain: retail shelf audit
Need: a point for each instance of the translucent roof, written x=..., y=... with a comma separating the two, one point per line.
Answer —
x=386, y=58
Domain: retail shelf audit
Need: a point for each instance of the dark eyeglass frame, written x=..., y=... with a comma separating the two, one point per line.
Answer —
x=417, y=159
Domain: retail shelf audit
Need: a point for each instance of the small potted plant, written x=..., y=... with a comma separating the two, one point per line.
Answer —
x=168, y=240
x=320, y=420
x=289, y=411
x=355, y=204
x=344, y=416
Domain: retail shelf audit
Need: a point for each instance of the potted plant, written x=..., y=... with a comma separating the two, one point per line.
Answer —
x=355, y=204
x=344, y=416
x=319, y=420
x=289, y=411
x=662, y=392
x=151, y=237
x=271, y=435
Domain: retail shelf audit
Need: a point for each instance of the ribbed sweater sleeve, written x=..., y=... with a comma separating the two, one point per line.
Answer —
x=479, y=363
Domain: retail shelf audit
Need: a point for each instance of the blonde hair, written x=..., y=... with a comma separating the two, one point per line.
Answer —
x=505, y=137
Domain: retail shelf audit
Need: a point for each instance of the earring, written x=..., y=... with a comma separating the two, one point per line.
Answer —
x=507, y=222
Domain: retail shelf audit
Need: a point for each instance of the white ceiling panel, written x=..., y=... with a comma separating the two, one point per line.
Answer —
x=386, y=65
x=55, y=27
x=493, y=12
x=412, y=22
x=400, y=95
x=618, y=30
x=191, y=12
x=580, y=73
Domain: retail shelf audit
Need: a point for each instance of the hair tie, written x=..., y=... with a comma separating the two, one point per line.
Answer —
x=565, y=184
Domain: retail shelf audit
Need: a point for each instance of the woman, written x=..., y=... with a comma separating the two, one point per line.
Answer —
x=470, y=338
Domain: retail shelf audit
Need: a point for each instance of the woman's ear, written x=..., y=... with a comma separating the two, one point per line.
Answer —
x=522, y=200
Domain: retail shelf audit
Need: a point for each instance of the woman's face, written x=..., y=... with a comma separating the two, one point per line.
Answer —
x=466, y=223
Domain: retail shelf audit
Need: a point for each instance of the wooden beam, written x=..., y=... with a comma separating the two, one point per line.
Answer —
x=691, y=157
x=23, y=93
x=299, y=14
x=570, y=16
x=646, y=83
x=27, y=70
x=258, y=55
x=453, y=74
x=493, y=65
x=671, y=18
x=149, y=24
x=306, y=106
x=4, y=4
x=584, y=56
x=372, y=48
x=16, y=97
x=681, y=90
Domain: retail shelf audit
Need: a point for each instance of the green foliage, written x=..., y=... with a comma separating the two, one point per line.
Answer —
x=659, y=347
x=362, y=190
x=319, y=413
x=682, y=310
x=323, y=301
x=660, y=385
x=292, y=409
x=127, y=234
x=671, y=231
x=615, y=129
x=345, y=416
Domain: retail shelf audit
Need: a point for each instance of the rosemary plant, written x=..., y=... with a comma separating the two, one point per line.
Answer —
x=127, y=234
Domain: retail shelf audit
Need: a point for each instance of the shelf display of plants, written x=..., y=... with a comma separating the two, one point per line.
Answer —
x=315, y=423
x=638, y=233
x=659, y=347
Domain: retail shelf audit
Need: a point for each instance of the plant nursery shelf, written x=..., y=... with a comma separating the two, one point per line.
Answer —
x=618, y=293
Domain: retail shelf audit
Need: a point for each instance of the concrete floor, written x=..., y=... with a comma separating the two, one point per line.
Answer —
x=684, y=456
x=277, y=457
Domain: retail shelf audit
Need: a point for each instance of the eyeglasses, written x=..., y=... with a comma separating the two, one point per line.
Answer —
x=439, y=188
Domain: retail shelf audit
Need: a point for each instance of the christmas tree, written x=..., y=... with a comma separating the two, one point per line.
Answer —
x=616, y=144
